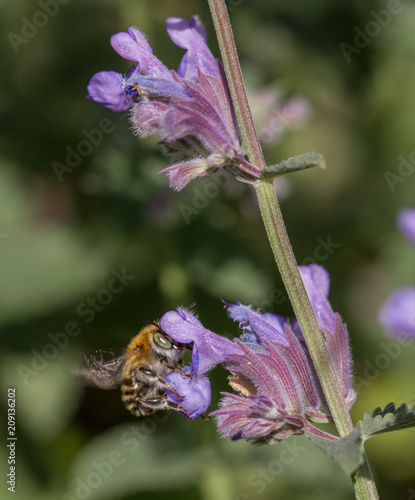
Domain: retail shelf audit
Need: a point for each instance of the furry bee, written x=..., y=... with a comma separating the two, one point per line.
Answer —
x=148, y=358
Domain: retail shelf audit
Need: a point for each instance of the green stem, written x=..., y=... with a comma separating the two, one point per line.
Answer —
x=281, y=247
x=284, y=256
x=364, y=485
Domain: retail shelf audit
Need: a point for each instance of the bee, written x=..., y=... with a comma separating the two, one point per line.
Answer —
x=148, y=358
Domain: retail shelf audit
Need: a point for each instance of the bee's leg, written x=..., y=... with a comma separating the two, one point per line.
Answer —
x=177, y=407
x=162, y=384
x=149, y=405
x=177, y=369
x=145, y=407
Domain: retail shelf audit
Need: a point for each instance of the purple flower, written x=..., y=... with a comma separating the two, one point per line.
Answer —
x=406, y=223
x=106, y=88
x=270, y=326
x=317, y=284
x=191, y=35
x=277, y=392
x=209, y=350
x=398, y=312
x=191, y=109
x=194, y=390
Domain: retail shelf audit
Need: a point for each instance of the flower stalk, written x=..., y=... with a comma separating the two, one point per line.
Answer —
x=281, y=247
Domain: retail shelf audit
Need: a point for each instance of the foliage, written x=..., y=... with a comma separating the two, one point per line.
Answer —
x=61, y=241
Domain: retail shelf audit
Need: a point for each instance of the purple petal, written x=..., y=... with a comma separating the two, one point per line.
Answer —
x=317, y=284
x=319, y=276
x=106, y=88
x=276, y=321
x=398, y=313
x=184, y=327
x=406, y=223
x=205, y=117
x=156, y=87
x=132, y=45
x=195, y=391
x=180, y=174
x=194, y=368
x=191, y=35
x=146, y=117
x=339, y=350
x=255, y=418
x=308, y=385
x=255, y=323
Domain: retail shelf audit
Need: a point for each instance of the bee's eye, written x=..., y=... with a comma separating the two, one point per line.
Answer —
x=162, y=341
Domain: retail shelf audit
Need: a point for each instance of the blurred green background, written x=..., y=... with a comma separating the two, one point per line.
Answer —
x=62, y=241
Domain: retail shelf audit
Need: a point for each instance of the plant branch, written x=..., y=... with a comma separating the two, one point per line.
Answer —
x=281, y=247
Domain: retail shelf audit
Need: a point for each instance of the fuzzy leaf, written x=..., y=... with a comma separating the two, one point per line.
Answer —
x=388, y=419
x=347, y=451
x=300, y=162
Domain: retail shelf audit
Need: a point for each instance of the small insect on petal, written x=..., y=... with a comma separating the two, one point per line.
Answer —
x=141, y=371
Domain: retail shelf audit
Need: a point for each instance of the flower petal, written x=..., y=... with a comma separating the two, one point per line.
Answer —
x=339, y=349
x=180, y=174
x=184, y=327
x=132, y=45
x=106, y=88
x=398, y=313
x=256, y=324
x=155, y=87
x=146, y=117
x=255, y=418
x=406, y=223
x=191, y=35
x=317, y=283
x=195, y=392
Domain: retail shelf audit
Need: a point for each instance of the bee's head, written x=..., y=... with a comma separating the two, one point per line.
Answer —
x=167, y=347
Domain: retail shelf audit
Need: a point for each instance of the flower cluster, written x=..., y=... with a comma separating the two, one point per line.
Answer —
x=398, y=312
x=276, y=390
x=190, y=109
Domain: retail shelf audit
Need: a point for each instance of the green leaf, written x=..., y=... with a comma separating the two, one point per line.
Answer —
x=300, y=162
x=388, y=419
x=347, y=451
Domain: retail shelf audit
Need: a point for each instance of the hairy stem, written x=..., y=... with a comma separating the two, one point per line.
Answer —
x=281, y=247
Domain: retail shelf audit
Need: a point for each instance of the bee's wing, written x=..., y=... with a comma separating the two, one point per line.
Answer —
x=101, y=369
